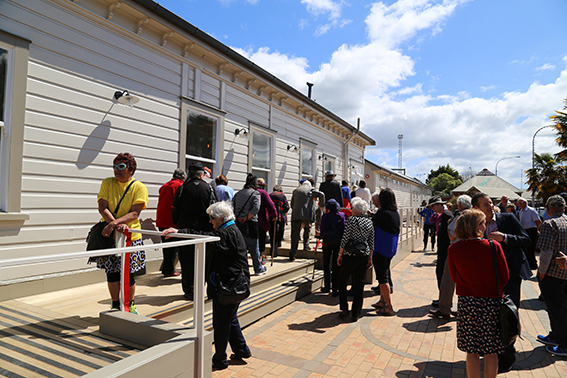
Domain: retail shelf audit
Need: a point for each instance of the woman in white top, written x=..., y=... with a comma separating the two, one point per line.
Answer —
x=363, y=192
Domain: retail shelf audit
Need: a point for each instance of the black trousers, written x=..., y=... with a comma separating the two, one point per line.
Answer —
x=429, y=230
x=277, y=236
x=226, y=330
x=261, y=240
x=554, y=291
x=439, y=269
x=168, y=264
x=355, y=269
x=330, y=266
x=187, y=262
x=530, y=251
x=512, y=288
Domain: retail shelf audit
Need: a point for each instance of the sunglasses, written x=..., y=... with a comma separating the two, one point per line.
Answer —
x=211, y=217
x=120, y=167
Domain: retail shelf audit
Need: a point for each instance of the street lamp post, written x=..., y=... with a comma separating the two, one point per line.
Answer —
x=533, y=155
x=509, y=157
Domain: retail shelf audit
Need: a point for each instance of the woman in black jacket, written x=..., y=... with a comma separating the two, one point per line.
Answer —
x=225, y=260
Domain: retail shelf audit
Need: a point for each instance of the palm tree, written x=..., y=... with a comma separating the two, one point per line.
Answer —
x=560, y=123
x=548, y=177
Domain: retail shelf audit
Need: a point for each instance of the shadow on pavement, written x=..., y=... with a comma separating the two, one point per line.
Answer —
x=431, y=325
x=436, y=369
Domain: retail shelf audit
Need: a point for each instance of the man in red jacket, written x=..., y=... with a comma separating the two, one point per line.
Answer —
x=164, y=219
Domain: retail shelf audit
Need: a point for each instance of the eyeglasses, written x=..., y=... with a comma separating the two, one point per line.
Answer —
x=120, y=167
x=211, y=217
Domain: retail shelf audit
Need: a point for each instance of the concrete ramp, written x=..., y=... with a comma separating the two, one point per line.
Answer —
x=35, y=342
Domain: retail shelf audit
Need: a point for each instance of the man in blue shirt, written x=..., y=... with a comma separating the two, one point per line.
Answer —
x=530, y=221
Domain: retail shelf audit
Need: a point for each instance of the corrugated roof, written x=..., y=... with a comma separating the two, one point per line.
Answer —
x=493, y=192
x=486, y=180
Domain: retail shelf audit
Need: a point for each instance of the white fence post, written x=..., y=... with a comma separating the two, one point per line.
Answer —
x=199, y=307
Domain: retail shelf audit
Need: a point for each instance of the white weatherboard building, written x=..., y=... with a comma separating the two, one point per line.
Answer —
x=61, y=126
x=409, y=191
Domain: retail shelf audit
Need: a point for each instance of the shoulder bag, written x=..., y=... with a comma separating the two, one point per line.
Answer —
x=234, y=290
x=248, y=228
x=95, y=238
x=508, y=318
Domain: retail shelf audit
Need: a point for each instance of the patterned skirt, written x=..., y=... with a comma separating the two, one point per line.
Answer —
x=477, y=327
x=112, y=263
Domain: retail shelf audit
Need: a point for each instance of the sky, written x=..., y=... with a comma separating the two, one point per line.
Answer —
x=467, y=82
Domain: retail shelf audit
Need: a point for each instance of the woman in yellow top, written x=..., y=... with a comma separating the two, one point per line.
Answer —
x=111, y=191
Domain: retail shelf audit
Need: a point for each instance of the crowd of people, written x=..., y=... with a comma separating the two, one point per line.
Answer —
x=483, y=251
x=467, y=264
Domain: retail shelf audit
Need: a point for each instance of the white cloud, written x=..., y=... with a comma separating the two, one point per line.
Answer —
x=489, y=88
x=320, y=7
x=329, y=8
x=368, y=80
x=391, y=25
x=545, y=67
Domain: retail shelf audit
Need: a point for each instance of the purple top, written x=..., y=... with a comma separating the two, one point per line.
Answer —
x=267, y=210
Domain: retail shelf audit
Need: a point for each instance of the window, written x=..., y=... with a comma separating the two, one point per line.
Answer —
x=14, y=52
x=199, y=137
x=261, y=158
x=328, y=163
x=308, y=159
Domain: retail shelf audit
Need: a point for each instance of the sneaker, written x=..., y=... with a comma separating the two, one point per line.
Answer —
x=546, y=340
x=557, y=351
x=133, y=309
x=261, y=272
x=114, y=308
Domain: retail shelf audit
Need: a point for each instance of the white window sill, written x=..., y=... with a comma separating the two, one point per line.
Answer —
x=13, y=217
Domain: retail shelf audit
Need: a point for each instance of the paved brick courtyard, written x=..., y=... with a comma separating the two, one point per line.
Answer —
x=307, y=338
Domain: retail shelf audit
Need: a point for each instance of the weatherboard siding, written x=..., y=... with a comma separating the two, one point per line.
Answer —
x=73, y=129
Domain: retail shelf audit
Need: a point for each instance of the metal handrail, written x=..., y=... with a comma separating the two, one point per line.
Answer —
x=199, y=297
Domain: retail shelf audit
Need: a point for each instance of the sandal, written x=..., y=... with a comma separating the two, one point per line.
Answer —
x=385, y=311
x=379, y=304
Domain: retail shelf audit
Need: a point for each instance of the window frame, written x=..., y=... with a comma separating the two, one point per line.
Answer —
x=328, y=159
x=13, y=127
x=259, y=129
x=208, y=111
x=305, y=145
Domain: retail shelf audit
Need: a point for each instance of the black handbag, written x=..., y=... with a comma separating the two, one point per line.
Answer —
x=248, y=228
x=357, y=248
x=508, y=318
x=234, y=290
x=95, y=238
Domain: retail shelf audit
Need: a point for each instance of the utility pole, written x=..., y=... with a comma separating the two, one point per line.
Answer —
x=400, y=137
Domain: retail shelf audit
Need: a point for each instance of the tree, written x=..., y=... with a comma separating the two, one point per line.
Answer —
x=444, y=183
x=560, y=123
x=548, y=177
x=444, y=179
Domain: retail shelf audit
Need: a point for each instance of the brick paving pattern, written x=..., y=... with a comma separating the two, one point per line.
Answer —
x=308, y=339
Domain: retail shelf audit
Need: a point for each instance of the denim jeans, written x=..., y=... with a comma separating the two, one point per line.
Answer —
x=254, y=250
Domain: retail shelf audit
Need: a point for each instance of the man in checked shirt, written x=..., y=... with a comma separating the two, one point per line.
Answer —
x=552, y=274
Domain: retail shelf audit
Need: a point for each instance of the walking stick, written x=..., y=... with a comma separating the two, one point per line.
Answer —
x=274, y=242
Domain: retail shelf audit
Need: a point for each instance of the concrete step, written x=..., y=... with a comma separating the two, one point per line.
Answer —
x=268, y=294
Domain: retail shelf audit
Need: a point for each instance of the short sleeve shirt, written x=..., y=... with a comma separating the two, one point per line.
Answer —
x=528, y=217
x=112, y=190
x=553, y=238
